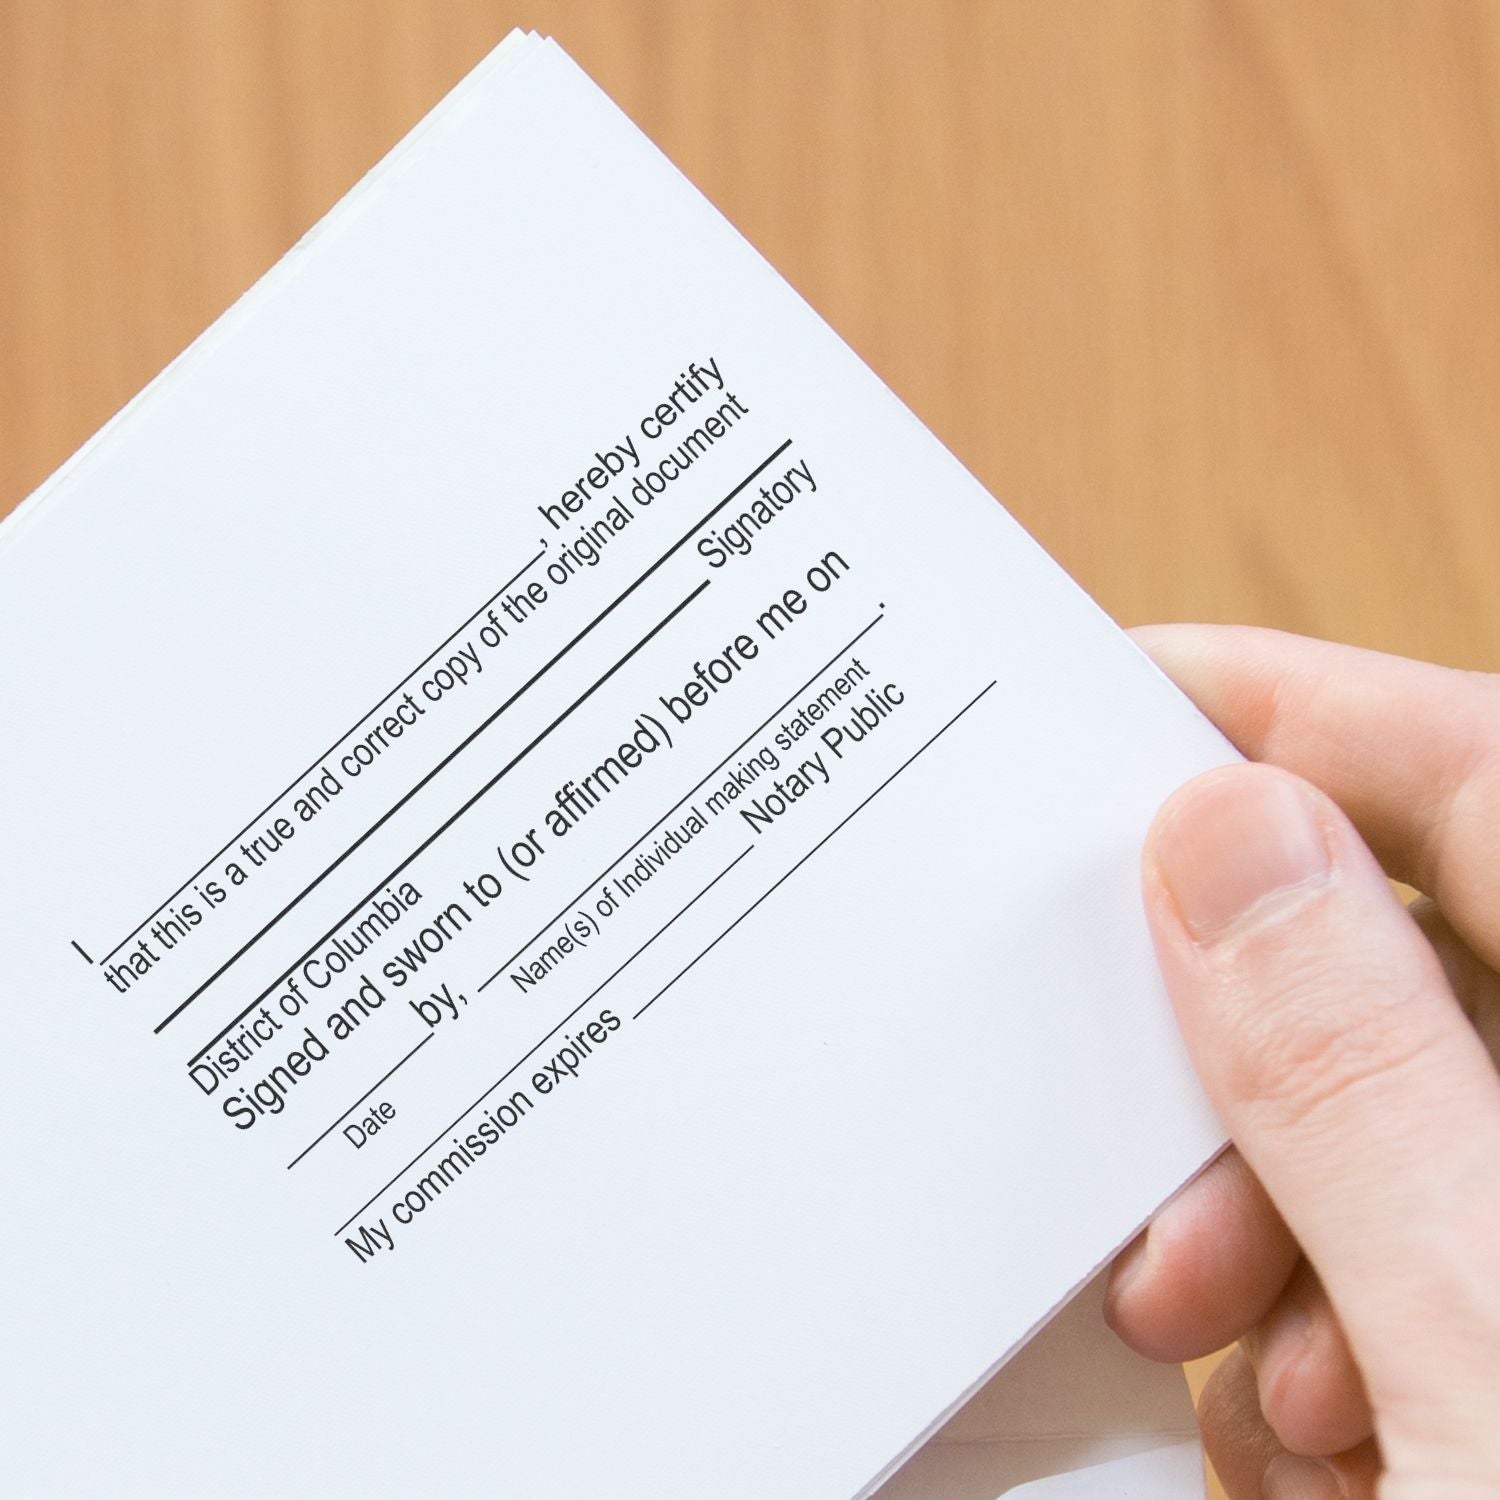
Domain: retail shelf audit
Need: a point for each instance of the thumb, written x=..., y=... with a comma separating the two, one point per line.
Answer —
x=1324, y=1030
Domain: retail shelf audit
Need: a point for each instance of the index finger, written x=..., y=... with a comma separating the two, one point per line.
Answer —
x=1409, y=751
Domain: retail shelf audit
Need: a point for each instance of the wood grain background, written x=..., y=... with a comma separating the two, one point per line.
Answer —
x=1207, y=293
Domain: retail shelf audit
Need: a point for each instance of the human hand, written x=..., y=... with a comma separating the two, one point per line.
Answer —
x=1351, y=1239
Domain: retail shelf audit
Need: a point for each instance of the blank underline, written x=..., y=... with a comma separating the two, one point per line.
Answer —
x=543, y=1042
x=883, y=785
x=303, y=1152
x=843, y=650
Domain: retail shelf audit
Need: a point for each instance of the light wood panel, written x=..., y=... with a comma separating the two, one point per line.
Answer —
x=1208, y=293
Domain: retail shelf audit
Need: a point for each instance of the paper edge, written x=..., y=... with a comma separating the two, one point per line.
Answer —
x=921, y=1438
x=514, y=49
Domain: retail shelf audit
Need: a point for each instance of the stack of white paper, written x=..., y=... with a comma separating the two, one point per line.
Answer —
x=569, y=888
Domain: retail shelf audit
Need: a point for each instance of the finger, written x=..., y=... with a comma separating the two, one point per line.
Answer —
x=1311, y=1391
x=1410, y=751
x=1250, y=1460
x=1324, y=1031
x=1474, y=983
x=1210, y=1266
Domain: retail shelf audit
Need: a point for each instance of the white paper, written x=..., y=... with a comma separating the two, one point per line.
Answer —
x=1075, y=1414
x=889, y=1072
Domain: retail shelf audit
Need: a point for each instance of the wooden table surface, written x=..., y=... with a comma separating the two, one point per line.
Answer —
x=1207, y=291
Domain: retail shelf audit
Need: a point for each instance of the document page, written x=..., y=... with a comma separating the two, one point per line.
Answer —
x=569, y=879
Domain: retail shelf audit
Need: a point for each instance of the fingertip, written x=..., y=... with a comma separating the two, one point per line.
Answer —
x=1311, y=1391
x=1205, y=659
x=1167, y=639
x=1233, y=841
x=1210, y=1266
x=1149, y=637
x=1125, y=1275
